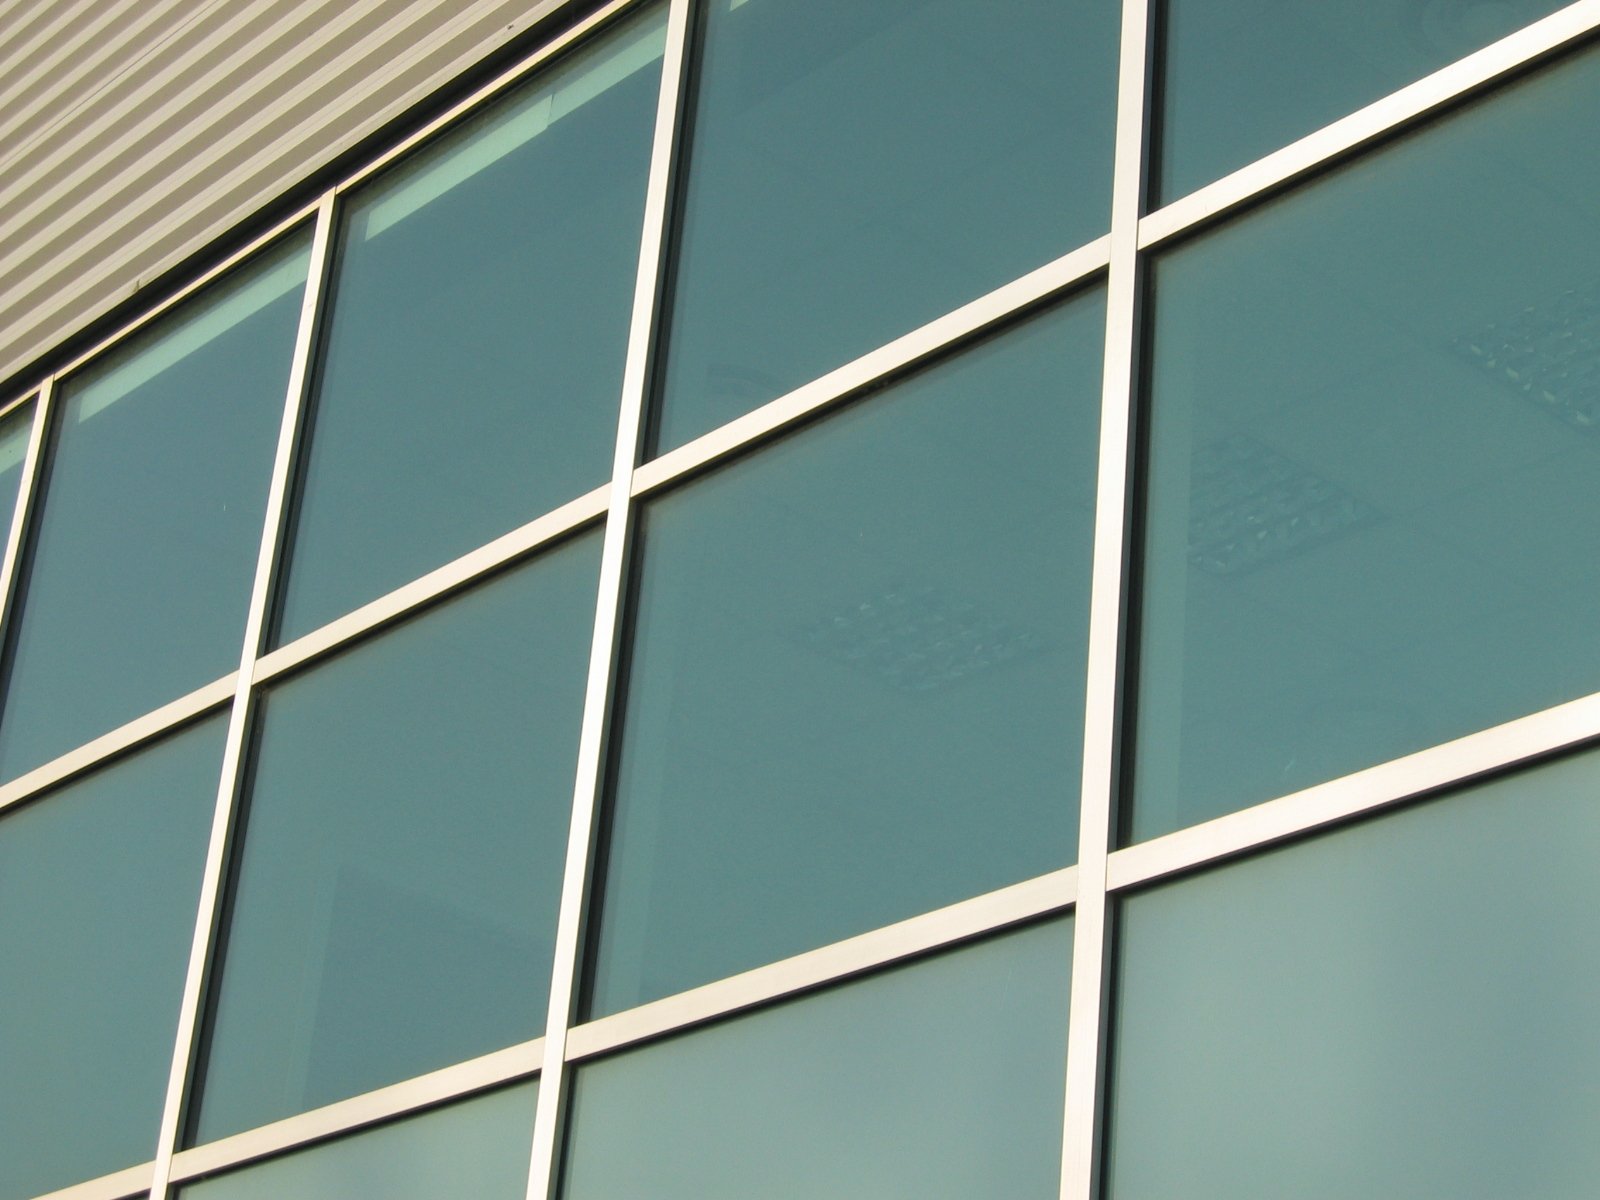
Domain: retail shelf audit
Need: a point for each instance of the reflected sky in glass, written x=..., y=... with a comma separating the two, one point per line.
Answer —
x=1374, y=467
x=150, y=523
x=479, y=323
x=857, y=678
x=402, y=850
x=1403, y=1008
x=858, y=169
x=477, y=1148
x=99, y=888
x=940, y=1080
x=1242, y=78
x=14, y=430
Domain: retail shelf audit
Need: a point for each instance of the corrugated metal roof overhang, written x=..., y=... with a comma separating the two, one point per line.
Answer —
x=135, y=133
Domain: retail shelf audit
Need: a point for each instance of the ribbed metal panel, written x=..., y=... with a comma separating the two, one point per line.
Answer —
x=50, y=66
x=134, y=132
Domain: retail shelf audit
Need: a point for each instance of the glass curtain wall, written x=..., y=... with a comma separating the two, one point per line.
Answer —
x=835, y=600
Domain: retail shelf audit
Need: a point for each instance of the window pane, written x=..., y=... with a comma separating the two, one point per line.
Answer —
x=474, y=361
x=479, y=1148
x=99, y=887
x=940, y=1079
x=1243, y=78
x=402, y=851
x=1405, y=1008
x=14, y=430
x=857, y=676
x=1374, y=515
x=859, y=169
x=151, y=522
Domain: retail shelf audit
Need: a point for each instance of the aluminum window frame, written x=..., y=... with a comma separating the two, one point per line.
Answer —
x=1117, y=260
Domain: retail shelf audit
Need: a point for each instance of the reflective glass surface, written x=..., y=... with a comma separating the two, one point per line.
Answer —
x=480, y=316
x=1374, y=514
x=941, y=1079
x=857, y=675
x=150, y=522
x=477, y=1149
x=14, y=430
x=1405, y=1008
x=402, y=850
x=99, y=887
x=858, y=169
x=1242, y=78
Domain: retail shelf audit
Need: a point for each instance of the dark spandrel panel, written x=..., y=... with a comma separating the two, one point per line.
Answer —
x=1242, y=78
x=942, y=1079
x=99, y=890
x=1405, y=1008
x=402, y=850
x=14, y=430
x=859, y=169
x=478, y=1148
x=1374, y=505
x=858, y=672
x=480, y=318
x=150, y=523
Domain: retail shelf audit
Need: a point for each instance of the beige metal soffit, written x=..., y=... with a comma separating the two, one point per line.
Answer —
x=45, y=82
x=195, y=124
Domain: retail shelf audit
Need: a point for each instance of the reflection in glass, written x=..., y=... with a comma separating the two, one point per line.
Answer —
x=15, y=427
x=151, y=517
x=1404, y=1008
x=99, y=886
x=1374, y=513
x=474, y=360
x=402, y=850
x=477, y=1148
x=938, y=1080
x=859, y=169
x=857, y=676
x=1242, y=78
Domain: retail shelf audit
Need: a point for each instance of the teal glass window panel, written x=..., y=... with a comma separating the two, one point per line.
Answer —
x=1403, y=1008
x=396, y=895
x=15, y=427
x=1373, y=521
x=1242, y=78
x=150, y=525
x=859, y=169
x=940, y=1079
x=858, y=669
x=478, y=1148
x=99, y=890
x=474, y=360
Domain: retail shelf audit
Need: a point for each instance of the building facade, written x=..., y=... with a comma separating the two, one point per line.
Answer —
x=733, y=598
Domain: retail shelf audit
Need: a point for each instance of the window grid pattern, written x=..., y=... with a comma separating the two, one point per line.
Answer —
x=1086, y=889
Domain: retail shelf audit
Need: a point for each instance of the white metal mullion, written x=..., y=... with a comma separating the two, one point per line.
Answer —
x=119, y=1185
x=212, y=881
x=86, y=757
x=872, y=369
x=1477, y=72
x=28, y=500
x=1273, y=821
x=544, y=1168
x=171, y=300
x=1381, y=119
x=1086, y=1040
x=445, y=1085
